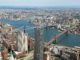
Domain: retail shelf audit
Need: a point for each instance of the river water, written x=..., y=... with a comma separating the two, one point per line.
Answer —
x=67, y=40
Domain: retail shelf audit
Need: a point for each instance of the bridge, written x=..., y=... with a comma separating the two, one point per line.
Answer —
x=9, y=42
x=56, y=37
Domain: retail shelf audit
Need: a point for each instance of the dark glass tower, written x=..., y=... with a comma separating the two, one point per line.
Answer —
x=38, y=49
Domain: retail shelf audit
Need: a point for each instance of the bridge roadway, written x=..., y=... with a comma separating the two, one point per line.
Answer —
x=8, y=42
x=56, y=37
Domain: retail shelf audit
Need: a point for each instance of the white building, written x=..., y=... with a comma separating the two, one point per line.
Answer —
x=22, y=42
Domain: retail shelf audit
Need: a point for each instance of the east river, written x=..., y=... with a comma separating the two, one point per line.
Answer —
x=67, y=40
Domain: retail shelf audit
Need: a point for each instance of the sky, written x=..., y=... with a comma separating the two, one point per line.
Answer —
x=40, y=3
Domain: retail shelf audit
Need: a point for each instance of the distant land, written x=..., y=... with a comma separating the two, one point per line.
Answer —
x=30, y=7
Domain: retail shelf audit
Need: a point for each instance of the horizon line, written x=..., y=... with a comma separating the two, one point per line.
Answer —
x=39, y=6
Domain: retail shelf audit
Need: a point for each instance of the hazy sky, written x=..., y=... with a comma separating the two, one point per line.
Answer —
x=40, y=3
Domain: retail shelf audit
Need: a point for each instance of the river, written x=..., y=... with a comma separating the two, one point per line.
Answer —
x=66, y=40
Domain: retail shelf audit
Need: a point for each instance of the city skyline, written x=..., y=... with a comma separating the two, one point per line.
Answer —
x=41, y=3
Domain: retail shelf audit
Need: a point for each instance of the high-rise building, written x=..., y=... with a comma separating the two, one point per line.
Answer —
x=38, y=49
x=22, y=42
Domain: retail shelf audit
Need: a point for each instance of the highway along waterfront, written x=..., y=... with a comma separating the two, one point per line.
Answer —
x=70, y=40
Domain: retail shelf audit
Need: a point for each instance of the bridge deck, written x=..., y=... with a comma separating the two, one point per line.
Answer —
x=56, y=37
